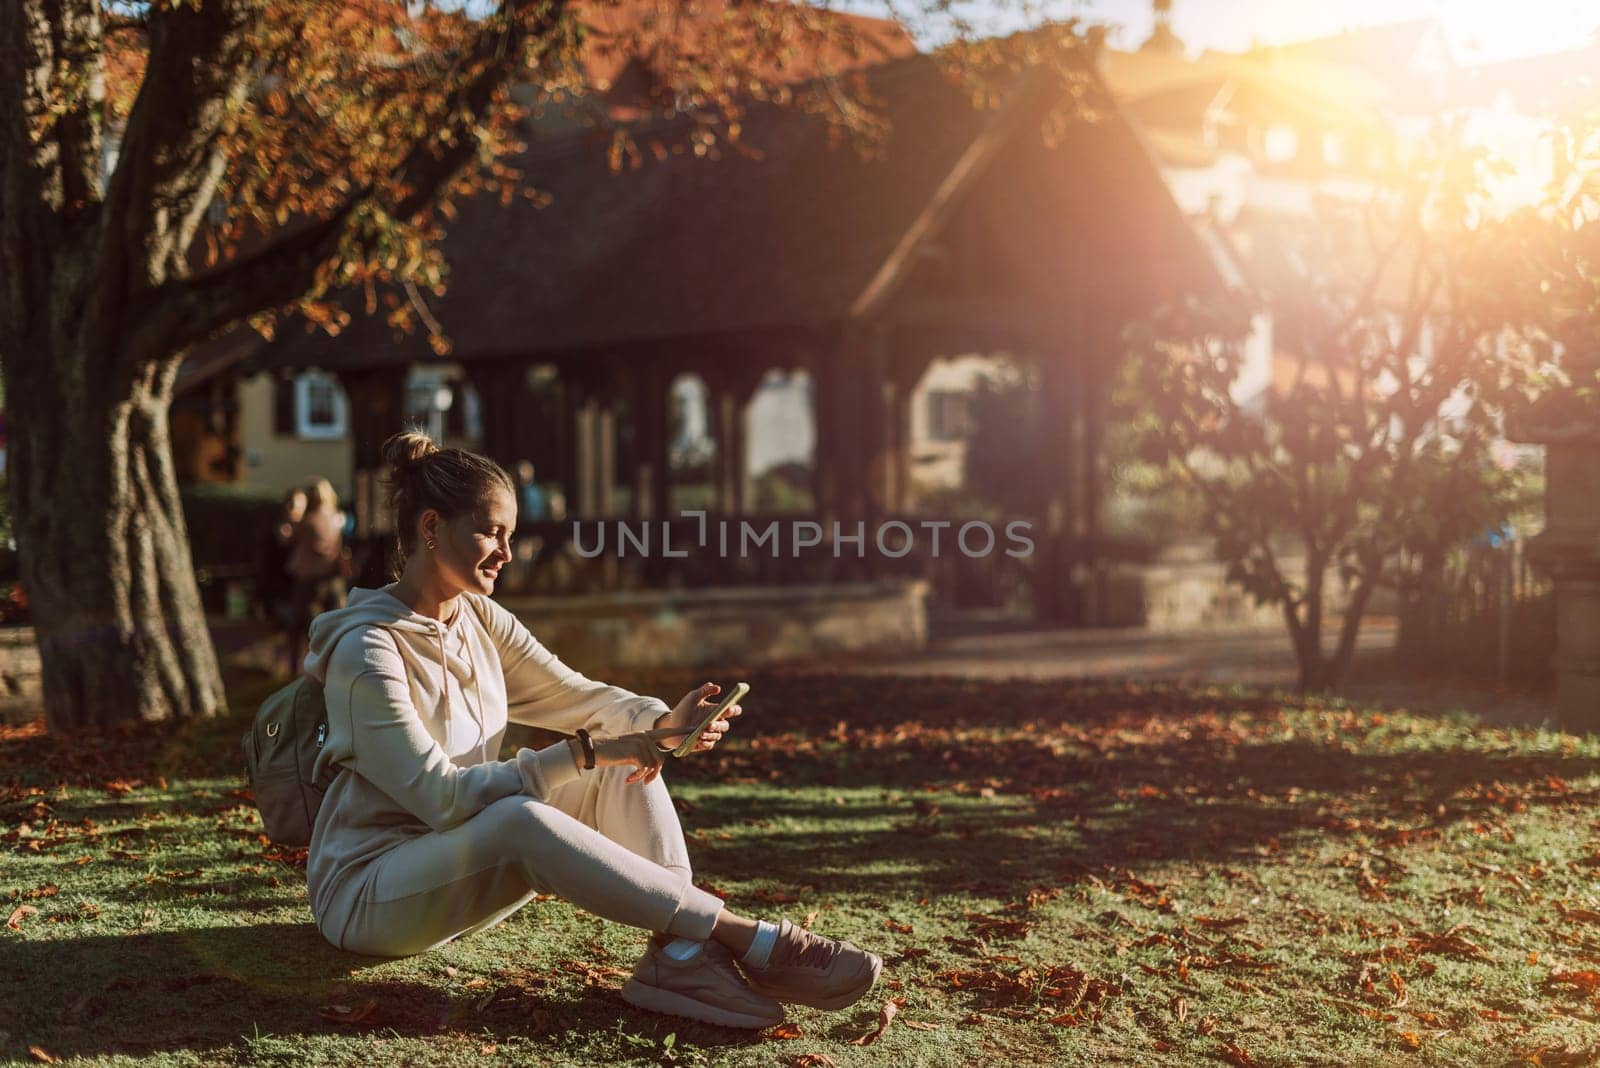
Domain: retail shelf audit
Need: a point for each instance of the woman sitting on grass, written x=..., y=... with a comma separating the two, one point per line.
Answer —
x=425, y=835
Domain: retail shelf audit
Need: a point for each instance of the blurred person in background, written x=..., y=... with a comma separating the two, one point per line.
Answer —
x=274, y=586
x=317, y=565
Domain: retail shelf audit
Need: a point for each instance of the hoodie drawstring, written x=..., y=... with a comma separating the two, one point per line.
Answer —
x=444, y=691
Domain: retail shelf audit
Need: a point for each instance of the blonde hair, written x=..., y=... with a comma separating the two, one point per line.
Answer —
x=320, y=494
x=421, y=476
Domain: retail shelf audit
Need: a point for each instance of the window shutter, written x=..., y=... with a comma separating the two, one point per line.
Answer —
x=283, y=423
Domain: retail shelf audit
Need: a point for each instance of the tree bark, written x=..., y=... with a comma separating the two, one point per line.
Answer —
x=97, y=308
x=105, y=553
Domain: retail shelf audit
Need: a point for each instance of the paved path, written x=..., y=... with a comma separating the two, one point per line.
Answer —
x=1255, y=658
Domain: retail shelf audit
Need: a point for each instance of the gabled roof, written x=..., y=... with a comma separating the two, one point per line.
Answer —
x=630, y=45
x=789, y=237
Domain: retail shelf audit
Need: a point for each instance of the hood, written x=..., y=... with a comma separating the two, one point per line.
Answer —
x=382, y=608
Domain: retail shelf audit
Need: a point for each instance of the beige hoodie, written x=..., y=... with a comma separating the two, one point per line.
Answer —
x=416, y=714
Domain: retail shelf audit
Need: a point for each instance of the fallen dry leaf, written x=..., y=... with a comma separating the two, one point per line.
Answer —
x=812, y=1060
x=1238, y=1056
x=885, y=1017
x=1587, y=981
x=41, y=1055
x=785, y=1030
x=21, y=913
x=919, y=1025
x=1411, y=1039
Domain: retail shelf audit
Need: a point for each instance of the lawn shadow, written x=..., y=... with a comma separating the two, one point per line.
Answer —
x=205, y=989
x=1021, y=811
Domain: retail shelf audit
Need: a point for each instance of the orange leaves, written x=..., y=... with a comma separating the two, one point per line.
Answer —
x=1238, y=1056
x=1586, y=982
x=1578, y=915
x=594, y=975
x=1451, y=943
x=987, y=927
x=1060, y=991
x=886, y=1016
x=20, y=913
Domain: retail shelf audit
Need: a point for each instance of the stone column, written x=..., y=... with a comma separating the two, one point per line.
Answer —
x=1569, y=552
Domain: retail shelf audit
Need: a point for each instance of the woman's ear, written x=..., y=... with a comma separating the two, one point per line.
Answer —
x=429, y=525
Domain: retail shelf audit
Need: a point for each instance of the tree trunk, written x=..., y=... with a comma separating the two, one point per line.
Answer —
x=1307, y=631
x=104, y=550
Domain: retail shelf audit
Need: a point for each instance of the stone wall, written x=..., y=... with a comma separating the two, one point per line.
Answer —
x=728, y=626
x=1187, y=589
x=19, y=674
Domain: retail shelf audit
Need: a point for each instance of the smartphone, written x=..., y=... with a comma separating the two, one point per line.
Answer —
x=729, y=699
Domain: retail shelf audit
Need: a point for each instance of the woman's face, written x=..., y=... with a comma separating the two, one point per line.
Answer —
x=472, y=548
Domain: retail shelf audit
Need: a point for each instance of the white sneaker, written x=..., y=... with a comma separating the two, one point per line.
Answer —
x=706, y=987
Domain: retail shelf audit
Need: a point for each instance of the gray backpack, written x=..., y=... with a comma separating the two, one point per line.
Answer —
x=280, y=749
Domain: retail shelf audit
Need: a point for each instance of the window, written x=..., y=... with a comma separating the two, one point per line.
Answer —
x=429, y=397
x=319, y=407
x=1281, y=144
x=949, y=415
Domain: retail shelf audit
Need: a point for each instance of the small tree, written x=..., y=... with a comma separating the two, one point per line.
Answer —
x=1397, y=346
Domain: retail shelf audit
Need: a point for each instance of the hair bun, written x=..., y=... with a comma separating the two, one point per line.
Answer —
x=407, y=449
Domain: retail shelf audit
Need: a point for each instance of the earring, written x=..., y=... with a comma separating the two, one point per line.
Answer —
x=432, y=544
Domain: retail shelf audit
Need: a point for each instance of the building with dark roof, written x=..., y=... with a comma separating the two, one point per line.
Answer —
x=1038, y=228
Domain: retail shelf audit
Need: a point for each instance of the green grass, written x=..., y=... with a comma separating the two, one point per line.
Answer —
x=1055, y=874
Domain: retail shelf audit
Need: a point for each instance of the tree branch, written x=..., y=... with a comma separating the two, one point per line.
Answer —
x=184, y=311
x=75, y=24
x=198, y=71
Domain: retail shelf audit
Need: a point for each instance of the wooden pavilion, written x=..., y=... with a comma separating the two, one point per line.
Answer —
x=965, y=230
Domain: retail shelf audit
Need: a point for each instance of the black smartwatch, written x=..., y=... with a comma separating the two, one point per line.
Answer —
x=587, y=745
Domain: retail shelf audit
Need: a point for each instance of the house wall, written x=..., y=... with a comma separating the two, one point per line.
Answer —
x=273, y=463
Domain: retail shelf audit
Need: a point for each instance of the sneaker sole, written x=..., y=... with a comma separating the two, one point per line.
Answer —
x=653, y=998
x=838, y=1001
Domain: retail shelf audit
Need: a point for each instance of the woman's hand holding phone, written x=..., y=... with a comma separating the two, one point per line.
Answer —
x=674, y=729
x=638, y=749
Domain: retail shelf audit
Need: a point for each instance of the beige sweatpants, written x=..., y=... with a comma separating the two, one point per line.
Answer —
x=613, y=848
